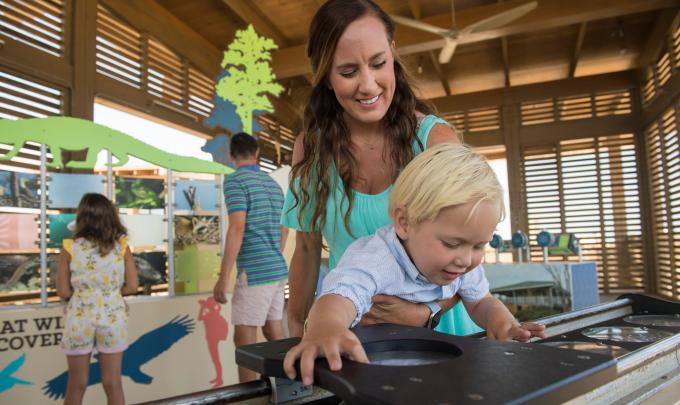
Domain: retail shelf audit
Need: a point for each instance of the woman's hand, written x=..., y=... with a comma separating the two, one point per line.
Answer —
x=326, y=341
x=390, y=309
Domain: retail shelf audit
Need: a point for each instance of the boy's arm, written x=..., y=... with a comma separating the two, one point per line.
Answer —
x=327, y=334
x=500, y=324
x=237, y=226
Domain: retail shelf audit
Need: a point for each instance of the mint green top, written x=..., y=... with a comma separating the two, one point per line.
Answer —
x=369, y=212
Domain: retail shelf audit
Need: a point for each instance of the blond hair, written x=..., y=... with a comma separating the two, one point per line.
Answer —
x=443, y=176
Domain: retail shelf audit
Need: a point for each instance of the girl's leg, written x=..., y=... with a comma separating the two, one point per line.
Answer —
x=78, y=374
x=111, y=364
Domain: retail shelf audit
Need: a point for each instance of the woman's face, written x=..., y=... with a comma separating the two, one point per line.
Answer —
x=362, y=73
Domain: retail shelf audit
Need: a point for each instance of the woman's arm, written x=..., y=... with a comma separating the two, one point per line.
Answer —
x=64, y=288
x=442, y=133
x=131, y=280
x=391, y=309
x=302, y=279
x=304, y=266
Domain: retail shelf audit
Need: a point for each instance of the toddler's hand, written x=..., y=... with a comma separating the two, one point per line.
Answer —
x=328, y=343
x=526, y=331
x=514, y=331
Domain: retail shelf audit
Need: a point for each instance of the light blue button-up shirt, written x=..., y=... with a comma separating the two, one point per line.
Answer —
x=378, y=264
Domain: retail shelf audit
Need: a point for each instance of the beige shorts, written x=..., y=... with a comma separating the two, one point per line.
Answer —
x=254, y=305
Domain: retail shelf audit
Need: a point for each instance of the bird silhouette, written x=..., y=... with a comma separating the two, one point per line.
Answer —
x=7, y=381
x=146, y=348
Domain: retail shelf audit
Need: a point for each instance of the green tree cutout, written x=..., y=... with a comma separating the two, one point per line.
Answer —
x=250, y=75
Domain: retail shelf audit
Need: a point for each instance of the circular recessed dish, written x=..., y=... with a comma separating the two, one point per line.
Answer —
x=410, y=352
x=407, y=358
x=626, y=334
x=654, y=320
x=610, y=350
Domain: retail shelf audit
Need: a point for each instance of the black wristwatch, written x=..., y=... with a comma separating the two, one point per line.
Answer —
x=435, y=314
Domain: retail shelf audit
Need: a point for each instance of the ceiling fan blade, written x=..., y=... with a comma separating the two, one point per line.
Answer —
x=500, y=19
x=447, y=51
x=421, y=25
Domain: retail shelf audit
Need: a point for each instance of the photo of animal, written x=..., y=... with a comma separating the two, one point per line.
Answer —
x=192, y=230
x=19, y=189
x=22, y=272
x=151, y=267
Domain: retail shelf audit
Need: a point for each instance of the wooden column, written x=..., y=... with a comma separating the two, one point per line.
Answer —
x=510, y=125
x=649, y=239
x=83, y=47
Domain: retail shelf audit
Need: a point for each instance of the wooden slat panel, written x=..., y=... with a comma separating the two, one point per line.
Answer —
x=39, y=24
x=23, y=98
x=663, y=148
x=119, y=50
x=589, y=187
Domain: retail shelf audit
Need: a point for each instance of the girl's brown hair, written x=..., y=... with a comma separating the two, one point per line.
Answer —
x=327, y=141
x=97, y=221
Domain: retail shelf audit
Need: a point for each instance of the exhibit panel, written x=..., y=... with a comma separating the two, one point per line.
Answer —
x=169, y=351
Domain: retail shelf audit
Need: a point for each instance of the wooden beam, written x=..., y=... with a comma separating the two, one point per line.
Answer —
x=440, y=72
x=25, y=59
x=587, y=128
x=152, y=18
x=577, y=49
x=506, y=60
x=663, y=101
x=665, y=20
x=538, y=91
x=548, y=15
x=250, y=14
x=414, y=6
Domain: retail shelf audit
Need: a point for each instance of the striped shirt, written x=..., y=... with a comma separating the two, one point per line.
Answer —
x=253, y=191
x=378, y=264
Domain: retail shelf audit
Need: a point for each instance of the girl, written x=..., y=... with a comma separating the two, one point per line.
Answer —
x=96, y=268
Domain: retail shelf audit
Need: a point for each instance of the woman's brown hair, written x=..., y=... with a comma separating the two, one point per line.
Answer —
x=327, y=141
x=97, y=221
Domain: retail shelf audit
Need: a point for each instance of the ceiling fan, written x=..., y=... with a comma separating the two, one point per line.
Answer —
x=453, y=35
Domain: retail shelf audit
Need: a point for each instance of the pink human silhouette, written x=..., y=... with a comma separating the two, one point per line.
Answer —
x=216, y=329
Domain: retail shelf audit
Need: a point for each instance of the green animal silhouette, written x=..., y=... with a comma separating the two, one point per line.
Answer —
x=68, y=134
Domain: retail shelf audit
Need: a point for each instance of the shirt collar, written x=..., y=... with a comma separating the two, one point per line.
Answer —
x=254, y=168
x=401, y=256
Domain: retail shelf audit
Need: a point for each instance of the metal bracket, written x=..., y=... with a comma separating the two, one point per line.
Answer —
x=284, y=390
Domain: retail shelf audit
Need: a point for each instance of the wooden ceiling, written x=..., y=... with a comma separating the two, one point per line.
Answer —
x=559, y=39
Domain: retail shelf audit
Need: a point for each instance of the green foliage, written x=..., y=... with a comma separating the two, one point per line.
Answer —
x=250, y=75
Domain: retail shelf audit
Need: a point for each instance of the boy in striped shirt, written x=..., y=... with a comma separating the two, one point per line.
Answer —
x=254, y=242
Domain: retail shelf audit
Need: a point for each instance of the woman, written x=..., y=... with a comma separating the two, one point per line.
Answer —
x=363, y=124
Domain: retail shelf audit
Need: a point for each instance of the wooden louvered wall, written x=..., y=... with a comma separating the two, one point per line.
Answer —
x=130, y=68
x=589, y=187
x=39, y=24
x=663, y=146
